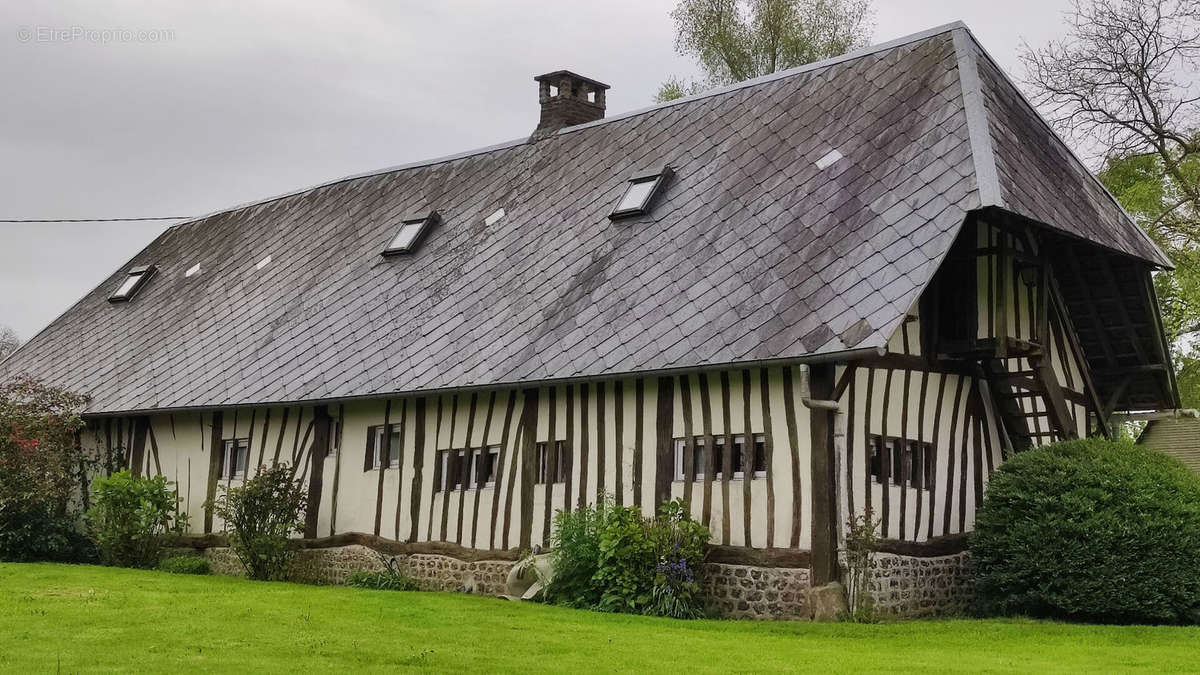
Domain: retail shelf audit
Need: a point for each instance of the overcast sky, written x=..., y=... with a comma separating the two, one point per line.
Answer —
x=211, y=104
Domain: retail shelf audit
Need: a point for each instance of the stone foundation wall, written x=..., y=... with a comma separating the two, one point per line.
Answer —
x=734, y=591
x=910, y=586
x=745, y=592
x=332, y=566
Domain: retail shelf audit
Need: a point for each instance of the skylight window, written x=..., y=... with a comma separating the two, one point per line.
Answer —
x=640, y=192
x=135, y=278
x=409, y=235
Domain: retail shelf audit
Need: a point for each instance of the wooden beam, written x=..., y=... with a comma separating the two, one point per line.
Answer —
x=1056, y=402
x=1059, y=307
x=1069, y=255
x=824, y=481
x=320, y=449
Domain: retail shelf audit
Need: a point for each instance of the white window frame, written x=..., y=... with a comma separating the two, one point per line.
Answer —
x=477, y=454
x=753, y=450
x=231, y=469
x=335, y=437
x=393, y=457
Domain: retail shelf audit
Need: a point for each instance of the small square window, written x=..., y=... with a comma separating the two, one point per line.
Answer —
x=639, y=193
x=699, y=457
x=135, y=278
x=410, y=233
x=233, y=459
x=483, y=466
x=393, y=449
x=562, y=463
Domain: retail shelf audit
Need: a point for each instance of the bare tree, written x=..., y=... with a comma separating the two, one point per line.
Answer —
x=1122, y=84
x=8, y=341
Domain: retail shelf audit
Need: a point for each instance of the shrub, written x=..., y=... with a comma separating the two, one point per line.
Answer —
x=679, y=548
x=133, y=518
x=1090, y=530
x=626, y=566
x=574, y=557
x=37, y=533
x=42, y=471
x=862, y=541
x=390, y=578
x=185, y=564
x=610, y=558
x=260, y=516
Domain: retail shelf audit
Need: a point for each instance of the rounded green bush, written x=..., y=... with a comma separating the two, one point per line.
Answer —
x=1090, y=530
x=185, y=564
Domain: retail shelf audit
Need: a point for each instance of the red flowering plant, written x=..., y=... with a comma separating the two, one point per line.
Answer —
x=42, y=468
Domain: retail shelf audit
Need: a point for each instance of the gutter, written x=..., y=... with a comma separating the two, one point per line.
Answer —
x=1174, y=413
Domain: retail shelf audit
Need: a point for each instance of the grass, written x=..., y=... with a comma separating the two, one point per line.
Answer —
x=95, y=619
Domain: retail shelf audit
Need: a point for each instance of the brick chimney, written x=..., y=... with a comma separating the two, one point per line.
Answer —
x=568, y=99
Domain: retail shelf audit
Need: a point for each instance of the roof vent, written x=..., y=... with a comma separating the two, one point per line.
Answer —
x=568, y=99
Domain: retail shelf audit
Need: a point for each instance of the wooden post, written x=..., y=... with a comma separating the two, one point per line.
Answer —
x=215, y=448
x=824, y=480
x=320, y=449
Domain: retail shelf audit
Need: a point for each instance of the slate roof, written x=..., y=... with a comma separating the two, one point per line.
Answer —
x=753, y=253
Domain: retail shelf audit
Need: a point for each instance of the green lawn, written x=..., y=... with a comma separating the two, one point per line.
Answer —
x=89, y=619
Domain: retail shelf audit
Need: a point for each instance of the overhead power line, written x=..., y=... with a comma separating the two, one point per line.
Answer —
x=87, y=220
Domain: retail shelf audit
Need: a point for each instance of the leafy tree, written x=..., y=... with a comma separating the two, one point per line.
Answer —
x=1121, y=83
x=41, y=469
x=8, y=341
x=735, y=40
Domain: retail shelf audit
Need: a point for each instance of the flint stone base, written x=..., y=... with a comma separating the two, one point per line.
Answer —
x=747, y=592
x=906, y=586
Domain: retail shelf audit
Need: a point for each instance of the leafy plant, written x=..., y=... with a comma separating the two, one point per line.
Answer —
x=862, y=541
x=260, y=516
x=626, y=567
x=42, y=471
x=1090, y=530
x=575, y=557
x=133, y=518
x=390, y=578
x=679, y=545
x=185, y=564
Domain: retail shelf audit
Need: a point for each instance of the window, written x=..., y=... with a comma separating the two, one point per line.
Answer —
x=910, y=464
x=135, y=278
x=375, y=448
x=483, y=466
x=562, y=463
x=450, y=465
x=639, y=193
x=700, y=458
x=234, y=457
x=409, y=235
x=335, y=437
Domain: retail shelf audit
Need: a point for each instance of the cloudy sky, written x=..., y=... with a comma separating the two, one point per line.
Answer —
x=200, y=106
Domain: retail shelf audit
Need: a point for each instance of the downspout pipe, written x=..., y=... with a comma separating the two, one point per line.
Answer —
x=833, y=509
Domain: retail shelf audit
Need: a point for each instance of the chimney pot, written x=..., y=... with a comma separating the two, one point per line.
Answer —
x=567, y=99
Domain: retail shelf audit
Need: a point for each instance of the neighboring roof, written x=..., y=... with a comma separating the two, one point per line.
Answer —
x=1178, y=437
x=752, y=254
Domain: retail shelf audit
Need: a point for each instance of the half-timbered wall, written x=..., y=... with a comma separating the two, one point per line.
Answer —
x=944, y=414
x=621, y=438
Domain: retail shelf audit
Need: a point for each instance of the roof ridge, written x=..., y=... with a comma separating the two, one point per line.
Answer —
x=966, y=31
x=504, y=145
x=987, y=178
